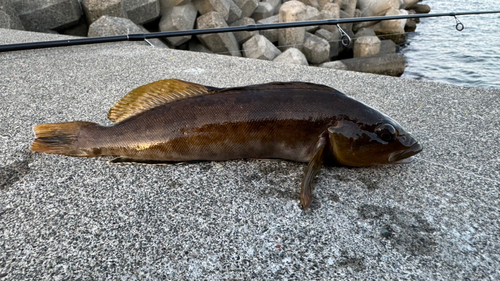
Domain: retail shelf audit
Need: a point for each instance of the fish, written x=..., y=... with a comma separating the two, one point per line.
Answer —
x=173, y=120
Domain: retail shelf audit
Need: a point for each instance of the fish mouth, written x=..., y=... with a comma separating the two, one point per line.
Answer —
x=405, y=156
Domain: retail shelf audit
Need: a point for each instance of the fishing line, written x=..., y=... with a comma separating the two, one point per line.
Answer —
x=251, y=27
x=457, y=170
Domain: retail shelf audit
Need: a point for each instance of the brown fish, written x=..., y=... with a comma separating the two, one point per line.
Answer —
x=174, y=120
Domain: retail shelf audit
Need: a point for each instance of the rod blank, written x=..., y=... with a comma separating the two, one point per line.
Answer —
x=252, y=27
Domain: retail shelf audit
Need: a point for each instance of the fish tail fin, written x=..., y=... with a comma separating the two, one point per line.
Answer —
x=59, y=138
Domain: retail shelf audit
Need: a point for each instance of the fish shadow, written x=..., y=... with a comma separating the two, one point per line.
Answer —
x=15, y=171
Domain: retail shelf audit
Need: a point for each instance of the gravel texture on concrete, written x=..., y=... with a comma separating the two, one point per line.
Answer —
x=78, y=218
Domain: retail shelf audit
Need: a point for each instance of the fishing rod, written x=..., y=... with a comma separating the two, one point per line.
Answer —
x=346, y=40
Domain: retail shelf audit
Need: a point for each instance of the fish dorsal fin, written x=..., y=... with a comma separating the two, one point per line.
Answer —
x=153, y=95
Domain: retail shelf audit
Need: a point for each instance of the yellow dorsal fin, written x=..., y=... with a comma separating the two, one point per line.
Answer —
x=153, y=95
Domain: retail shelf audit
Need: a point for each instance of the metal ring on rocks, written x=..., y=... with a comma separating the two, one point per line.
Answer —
x=346, y=40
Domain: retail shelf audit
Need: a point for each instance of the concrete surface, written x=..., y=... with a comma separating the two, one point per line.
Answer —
x=75, y=218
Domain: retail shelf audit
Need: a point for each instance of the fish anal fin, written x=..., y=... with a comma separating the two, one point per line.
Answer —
x=153, y=95
x=311, y=170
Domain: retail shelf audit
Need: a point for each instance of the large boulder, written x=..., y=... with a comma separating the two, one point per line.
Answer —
x=292, y=56
x=270, y=34
x=316, y=49
x=258, y=47
x=405, y=4
x=366, y=46
x=234, y=12
x=8, y=8
x=263, y=10
x=166, y=5
x=4, y=20
x=142, y=11
x=333, y=38
x=207, y=6
x=112, y=26
x=312, y=14
x=223, y=43
x=48, y=14
x=243, y=36
x=330, y=11
x=247, y=6
x=387, y=64
x=392, y=29
x=94, y=9
x=349, y=6
x=176, y=18
x=292, y=37
x=370, y=8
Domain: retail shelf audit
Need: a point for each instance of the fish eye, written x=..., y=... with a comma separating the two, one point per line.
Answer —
x=386, y=132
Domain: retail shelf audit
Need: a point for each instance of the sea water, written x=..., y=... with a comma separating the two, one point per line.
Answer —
x=436, y=51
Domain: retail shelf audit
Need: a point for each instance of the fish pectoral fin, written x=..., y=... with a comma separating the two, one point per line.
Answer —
x=153, y=95
x=311, y=170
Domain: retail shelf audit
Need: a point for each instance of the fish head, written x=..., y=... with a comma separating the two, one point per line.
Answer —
x=354, y=143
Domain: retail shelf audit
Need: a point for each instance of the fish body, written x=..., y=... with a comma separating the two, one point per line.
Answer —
x=174, y=120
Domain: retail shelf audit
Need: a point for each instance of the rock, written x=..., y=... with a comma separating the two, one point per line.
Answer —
x=276, y=5
x=111, y=26
x=4, y=20
x=366, y=46
x=155, y=42
x=243, y=36
x=247, y=6
x=393, y=29
x=292, y=56
x=387, y=47
x=387, y=64
x=7, y=7
x=349, y=6
x=411, y=25
x=234, y=12
x=357, y=13
x=176, y=18
x=421, y=8
x=330, y=11
x=80, y=29
x=142, y=11
x=263, y=10
x=405, y=4
x=258, y=47
x=345, y=26
x=48, y=14
x=224, y=43
x=333, y=39
x=365, y=32
x=196, y=46
x=312, y=14
x=270, y=34
x=94, y=9
x=338, y=64
x=370, y=8
x=292, y=37
x=322, y=3
x=316, y=49
x=311, y=3
x=207, y=6
x=166, y=5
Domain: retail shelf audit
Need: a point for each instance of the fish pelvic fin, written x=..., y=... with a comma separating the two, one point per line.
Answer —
x=311, y=171
x=153, y=95
x=59, y=138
